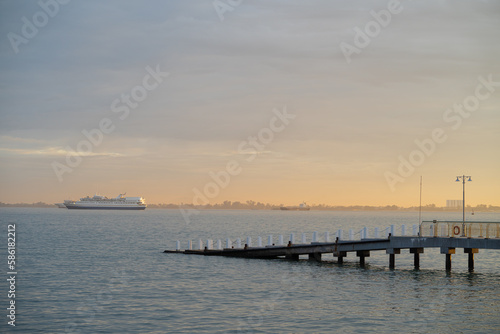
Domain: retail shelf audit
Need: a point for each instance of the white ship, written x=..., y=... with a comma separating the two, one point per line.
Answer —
x=102, y=202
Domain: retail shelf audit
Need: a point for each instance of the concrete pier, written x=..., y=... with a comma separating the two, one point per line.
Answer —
x=340, y=248
x=392, y=245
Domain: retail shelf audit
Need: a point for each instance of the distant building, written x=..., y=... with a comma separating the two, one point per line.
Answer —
x=454, y=203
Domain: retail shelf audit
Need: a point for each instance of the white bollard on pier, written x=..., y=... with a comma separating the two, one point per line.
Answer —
x=403, y=230
x=228, y=243
x=280, y=240
x=315, y=237
x=259, y=241
x=415, y=229
x=365, y=233
x=392, y=230
x=375, y=233
x=292, y=238
x=219, y=244
x=210, y=244
x=238, y=243
x=190, y=245
x=177, y=245
x=339, y=234
x=351, y=234
x=249, y=242
x=270, y=240
x=303, y=238
x=327, y=236
x=200, y=244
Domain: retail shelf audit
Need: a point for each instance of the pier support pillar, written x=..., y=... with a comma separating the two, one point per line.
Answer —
x=392, y=256
x=471, y=252
x=315, y=257
x=362, y=255
x=448, y=252
x=392, y=261
x=294, y=257
x=340, y=256
x=448, y=262
x=416, y=256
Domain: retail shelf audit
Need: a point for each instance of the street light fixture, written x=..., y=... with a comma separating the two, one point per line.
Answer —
x=463, y=177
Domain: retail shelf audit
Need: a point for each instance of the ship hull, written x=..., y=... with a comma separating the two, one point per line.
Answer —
x=79, y=207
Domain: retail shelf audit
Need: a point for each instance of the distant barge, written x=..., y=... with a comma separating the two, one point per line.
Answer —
x=301, y=207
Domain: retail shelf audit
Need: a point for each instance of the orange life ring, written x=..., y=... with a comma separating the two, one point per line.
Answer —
x=456, y=230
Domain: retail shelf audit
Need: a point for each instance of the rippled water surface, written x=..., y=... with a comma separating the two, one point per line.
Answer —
x=105, y=272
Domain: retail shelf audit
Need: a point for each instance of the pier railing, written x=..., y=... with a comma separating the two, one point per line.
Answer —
x=444, y=229
x=455, y=229
x=364, y=234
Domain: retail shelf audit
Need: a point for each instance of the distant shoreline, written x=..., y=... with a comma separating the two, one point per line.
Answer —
x=266, y=207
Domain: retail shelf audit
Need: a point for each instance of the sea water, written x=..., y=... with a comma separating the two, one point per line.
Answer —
x=80, y=271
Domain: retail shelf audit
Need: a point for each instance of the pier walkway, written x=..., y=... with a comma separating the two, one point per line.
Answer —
x=448, y=236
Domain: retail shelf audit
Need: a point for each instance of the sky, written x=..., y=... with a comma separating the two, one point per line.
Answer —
x=334, y=102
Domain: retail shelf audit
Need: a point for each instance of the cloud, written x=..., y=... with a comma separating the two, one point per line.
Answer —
x=54, y=152
x=226, y=78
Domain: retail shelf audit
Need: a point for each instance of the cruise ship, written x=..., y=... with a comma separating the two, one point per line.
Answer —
x=102, y=202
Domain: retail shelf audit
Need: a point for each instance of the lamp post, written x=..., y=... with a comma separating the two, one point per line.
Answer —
x=463, y=177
